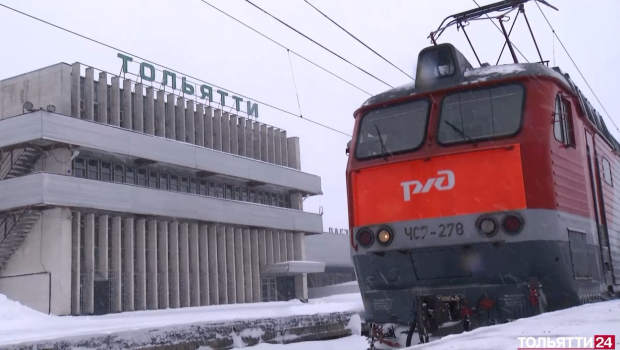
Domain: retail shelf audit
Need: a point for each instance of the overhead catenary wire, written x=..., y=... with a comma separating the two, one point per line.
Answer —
x=575, y=64
x=317, y=43
x=358, y=40
x=187, y=75
x=294, y=82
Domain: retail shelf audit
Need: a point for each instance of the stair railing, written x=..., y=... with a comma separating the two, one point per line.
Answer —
x=10, y=160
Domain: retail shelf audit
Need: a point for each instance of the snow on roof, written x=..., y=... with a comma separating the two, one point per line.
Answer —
x=503, y=69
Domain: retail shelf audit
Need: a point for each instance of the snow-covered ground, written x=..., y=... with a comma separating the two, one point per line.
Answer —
x=20, y=324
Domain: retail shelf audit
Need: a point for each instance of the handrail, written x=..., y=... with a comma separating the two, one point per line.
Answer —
x=15, y=222
x=13, y=159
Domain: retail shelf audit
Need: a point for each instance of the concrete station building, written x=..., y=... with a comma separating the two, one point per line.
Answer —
x=116, y=196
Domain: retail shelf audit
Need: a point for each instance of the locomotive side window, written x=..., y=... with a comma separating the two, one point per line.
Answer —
x=392, y=130
x=607, y=172
x=562, y=123
x=481, y=114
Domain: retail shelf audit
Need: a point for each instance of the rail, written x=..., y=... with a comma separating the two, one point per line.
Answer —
x=10, y=159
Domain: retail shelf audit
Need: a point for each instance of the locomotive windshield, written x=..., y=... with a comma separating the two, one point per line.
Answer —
x=392, y=130
x=481, y=114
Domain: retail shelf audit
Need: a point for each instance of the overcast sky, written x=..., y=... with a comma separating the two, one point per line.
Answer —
x=190, y=37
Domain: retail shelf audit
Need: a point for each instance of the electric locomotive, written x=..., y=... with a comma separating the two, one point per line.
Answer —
x=480, y=195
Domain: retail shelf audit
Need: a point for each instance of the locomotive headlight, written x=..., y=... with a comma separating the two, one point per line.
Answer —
x=487, y=226
x=385, y=236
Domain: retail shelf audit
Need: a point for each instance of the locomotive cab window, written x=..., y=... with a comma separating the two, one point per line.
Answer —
x=562, y=123
x=481, y=114
x=607, y=171
x=391, y=130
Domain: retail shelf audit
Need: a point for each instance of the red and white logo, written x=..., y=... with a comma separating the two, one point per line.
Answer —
x=437, y=182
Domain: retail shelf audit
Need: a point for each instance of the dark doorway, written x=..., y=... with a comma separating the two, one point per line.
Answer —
x=286, y=288
x=102, y=297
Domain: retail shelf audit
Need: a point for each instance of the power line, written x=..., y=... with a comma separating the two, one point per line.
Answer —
x=286, y=48
x=354, y=37
x=307, y=37
x=187, y=75
x=575, y=64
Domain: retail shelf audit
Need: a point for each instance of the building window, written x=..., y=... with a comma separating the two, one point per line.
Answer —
x=130, y=175
x=253, y=196
x=562, y=123
x=93, y=169
x=269, y=289
x=184, y=185
x=237, y=196
x=220, y=190
x=229, y=192
x=607, y=172
x=153, y=179
x=163, y=181
x=244, y=194
x=106, y=171
x=119, y=173
x=193, y=186
x=142, y=177
x=212, y=189
x=174, y=183
x=204, y=187
x=261, y=197
x=79, y=167
x=281, y=201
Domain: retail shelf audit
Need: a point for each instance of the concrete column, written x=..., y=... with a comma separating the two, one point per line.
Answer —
x=225, y=132
x=116, y=303
x=208, y=127
x=88, y=287
x=115, y=102
x=102, y=98
x=203, y=252
x=170, y=118
x=239, y=266
x=126, y=121
x=289, y=246
x=230, y=265
x=277, y=144
x=162, y=261
x=301, y=282
x=247, y=265
x=179, y=120
x=294, y=159
x=262, y=249
x=76, y=92
x=222, y=271
x=217, y=130
x=264, y=145
x=140, y=268
x=75, y=263
x=151, y=266
x=149, y=111
x=255, y=253
x=194, y=266
x=160, y=114
x=138, y=108
x=269, y=257
x=241, y=136
x=271, y=155
x=128, y=269
x=276, y=247
x=283, y=250
x=256, y=141
x=234, y=135
x=190, y=130
x=173, y=263
x=249, y=144
x=284, y=147
x=89, y=94
x=102, y=237
x=214, y=295
x=199, y=124
x=184, y=264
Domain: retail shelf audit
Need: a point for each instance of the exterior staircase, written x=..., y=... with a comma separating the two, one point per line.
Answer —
x=14, y=227
x=18, y=162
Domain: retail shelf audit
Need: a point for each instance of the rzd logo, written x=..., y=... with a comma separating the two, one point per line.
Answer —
x=424, y=188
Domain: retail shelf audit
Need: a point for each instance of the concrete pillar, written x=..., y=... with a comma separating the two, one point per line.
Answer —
x=289, y=246
x=239, y=270
x=194, y=266
x=283, y=250
x=234, y=135
x=230, y=265
x=249, y=144
x=225, y=132
x=89, y=94
x=102, y=237
x=199, y=124
x=115, y=102
x=126, y=114
x=247, y=265
x=262, y=249
x=264, y=145
x=277, y=144
x=284, y=147
x=241, y=136
x=173, y=263
x=162, y=262
x=256, y=141
x=160, y=114
x=116, y=303
x=217, y=130
x=255, y=259
x=276, y=247
x=138, y=108
x=152, y=291
x=208, y=127
x=170, y=118
x=271, y=155
x=76, y=93
x=184, y=264
x=294, y=158
x=222, y=271
x=214, y=295
x=128, y=268
x=190, y=130
x=102, y=98
x=75, y=263
x=301, y=281
x=203, y=253
x=270, y=259
x=88, y=275
x=149, y=111
x=140, y=268
x=179, y=120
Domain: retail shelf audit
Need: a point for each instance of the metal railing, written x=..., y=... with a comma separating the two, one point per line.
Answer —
x=9, y=161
